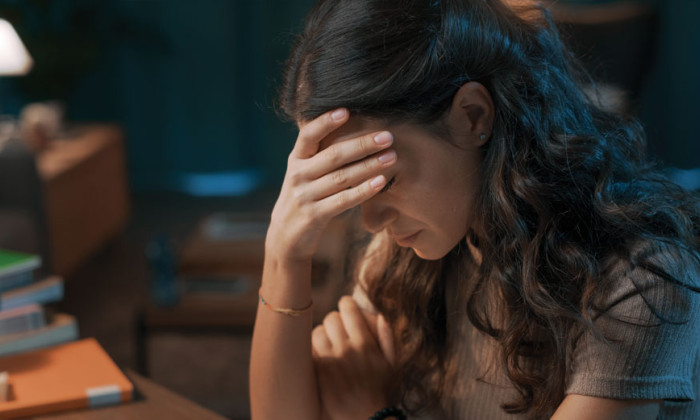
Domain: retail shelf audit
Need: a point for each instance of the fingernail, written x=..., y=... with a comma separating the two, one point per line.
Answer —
x=338, y=115
x=383, y=138
x=377, y=182
x=387, y=157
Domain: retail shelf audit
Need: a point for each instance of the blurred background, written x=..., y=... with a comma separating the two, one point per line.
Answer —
x=140, y=156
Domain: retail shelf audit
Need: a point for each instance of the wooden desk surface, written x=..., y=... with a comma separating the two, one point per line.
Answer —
x=151, y=401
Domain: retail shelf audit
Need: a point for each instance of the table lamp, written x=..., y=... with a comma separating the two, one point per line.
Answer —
x=14, y=57
x=14, y=61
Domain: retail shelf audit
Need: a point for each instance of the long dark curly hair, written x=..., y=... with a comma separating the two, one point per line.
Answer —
x=565, y=185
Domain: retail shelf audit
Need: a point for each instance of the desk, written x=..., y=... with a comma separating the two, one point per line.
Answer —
x=151, y=401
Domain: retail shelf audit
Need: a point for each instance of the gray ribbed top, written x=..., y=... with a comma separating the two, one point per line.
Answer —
x=652, y=351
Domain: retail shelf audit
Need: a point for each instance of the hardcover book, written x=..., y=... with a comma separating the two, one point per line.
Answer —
x=61, y=328
x=70, y=376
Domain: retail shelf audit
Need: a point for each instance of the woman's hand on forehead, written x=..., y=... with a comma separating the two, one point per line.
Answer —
x=330, y=170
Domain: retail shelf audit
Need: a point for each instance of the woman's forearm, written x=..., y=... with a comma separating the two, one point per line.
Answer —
x=320, y=183
x=282, y=378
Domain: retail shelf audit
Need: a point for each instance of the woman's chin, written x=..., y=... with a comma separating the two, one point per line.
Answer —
x=429, y=255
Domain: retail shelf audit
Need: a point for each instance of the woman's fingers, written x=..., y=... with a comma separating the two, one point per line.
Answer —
x=351, y=175
x=348, y=151
x=333, y=326
x=344, y=329
x=349, y=198
x=311, y=133
x=320, y=343
x=357, y=329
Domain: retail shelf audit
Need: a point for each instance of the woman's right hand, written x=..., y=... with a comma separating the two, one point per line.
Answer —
x=321, y=184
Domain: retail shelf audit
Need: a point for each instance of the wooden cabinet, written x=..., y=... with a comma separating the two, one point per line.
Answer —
x=85, y=193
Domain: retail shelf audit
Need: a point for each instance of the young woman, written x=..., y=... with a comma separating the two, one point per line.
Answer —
x=525, y=261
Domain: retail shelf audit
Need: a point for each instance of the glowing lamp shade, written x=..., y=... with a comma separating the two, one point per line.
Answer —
x=14, y=58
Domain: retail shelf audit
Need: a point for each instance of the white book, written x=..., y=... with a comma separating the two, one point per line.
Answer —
x=62, y=328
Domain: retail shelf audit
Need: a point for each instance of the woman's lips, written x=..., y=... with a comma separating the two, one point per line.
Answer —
x=406, y=240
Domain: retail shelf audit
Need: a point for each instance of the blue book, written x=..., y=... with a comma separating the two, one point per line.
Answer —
x=61, y=328
x=41, y=292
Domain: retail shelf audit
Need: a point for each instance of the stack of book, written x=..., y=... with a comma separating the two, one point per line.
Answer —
x=25, y=324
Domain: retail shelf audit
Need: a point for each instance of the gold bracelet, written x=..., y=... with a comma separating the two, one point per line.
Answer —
x=286, y=311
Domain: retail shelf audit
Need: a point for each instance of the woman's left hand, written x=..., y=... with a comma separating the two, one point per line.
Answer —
x=354, y=368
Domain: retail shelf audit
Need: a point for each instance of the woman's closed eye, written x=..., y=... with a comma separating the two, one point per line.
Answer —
x=388, y=185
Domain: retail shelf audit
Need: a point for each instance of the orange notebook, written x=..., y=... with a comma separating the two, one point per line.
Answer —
x=69, y=376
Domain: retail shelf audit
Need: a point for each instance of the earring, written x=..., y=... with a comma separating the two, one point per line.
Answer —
x=482, y=136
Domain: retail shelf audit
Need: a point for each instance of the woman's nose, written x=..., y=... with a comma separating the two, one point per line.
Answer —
x=376, y=216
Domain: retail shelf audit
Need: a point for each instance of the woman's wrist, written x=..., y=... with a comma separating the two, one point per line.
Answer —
x=280, y=268
x=286, y=283
x=278, y=256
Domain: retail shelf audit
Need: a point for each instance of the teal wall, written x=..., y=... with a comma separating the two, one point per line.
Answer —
x=193, y=82
x=671, y=101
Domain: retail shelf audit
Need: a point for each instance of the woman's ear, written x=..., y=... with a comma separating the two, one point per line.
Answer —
x=470, y=118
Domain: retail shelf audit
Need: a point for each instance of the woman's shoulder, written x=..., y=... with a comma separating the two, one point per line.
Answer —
x=645, y=340
x=651, y=260
x=654, y=274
